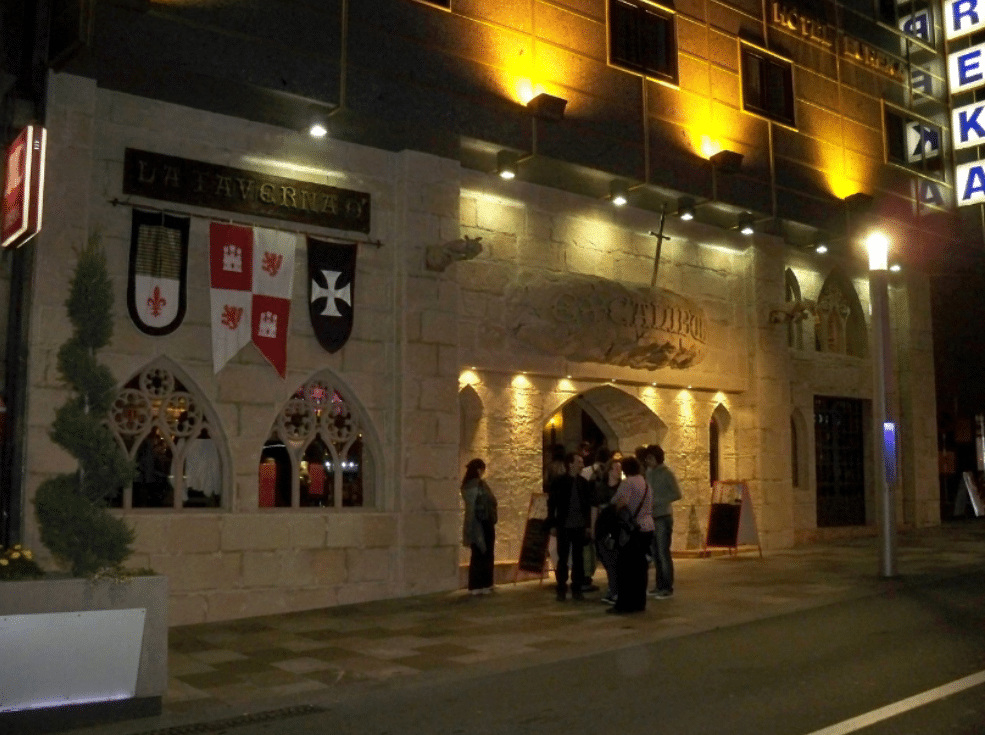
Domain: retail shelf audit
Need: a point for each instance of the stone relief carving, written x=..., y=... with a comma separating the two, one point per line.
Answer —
x=833, y=310
x=792, y=311
x=439, y=257
x=590, y=319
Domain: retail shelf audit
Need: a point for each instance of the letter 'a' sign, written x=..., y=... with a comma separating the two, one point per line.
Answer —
x=23, y=189
x=962, y=17
x=969, y=180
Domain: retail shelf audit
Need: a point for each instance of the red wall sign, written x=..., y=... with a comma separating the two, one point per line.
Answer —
x=23, y=189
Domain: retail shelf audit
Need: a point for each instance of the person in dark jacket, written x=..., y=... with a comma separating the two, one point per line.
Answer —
x=479, y=527
x=569, y=516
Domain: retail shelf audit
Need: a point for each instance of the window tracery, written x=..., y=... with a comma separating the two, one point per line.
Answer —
x=314, y=455
x=166, y=430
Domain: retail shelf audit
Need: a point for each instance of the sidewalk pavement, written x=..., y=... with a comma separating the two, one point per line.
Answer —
x=230, y=669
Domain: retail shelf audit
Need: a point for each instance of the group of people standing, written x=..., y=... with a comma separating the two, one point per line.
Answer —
x=618, y=507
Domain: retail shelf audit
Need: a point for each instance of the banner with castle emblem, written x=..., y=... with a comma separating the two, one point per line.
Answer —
x=252, y=274
x=331, y=291
x=157, y=275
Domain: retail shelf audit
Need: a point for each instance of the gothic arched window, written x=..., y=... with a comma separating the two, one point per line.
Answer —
x=713, y=451
x=171, y=435
x=315, y=455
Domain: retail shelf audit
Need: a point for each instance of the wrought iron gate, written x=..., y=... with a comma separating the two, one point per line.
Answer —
x=838, y=443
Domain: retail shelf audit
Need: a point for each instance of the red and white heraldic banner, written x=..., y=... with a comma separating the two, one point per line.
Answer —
x=23, y=189
x=252, y=274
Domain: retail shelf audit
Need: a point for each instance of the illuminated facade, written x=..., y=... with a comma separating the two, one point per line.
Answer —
x=575, y=220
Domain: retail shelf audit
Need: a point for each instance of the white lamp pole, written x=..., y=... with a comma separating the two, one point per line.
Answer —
x=884, y=429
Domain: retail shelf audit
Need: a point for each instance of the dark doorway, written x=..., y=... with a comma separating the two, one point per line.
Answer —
x=838, y=438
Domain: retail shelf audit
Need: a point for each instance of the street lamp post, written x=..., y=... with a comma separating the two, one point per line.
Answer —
x=877, y=245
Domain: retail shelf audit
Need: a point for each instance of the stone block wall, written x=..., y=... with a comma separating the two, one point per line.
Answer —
x=399, y=366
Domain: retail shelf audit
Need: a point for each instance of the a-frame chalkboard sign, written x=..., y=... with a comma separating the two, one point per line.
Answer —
x=731, y=519
x=536, y=539
x=968, y=491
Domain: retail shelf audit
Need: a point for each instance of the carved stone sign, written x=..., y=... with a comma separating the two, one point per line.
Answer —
x=174, y=179
x=590, y=319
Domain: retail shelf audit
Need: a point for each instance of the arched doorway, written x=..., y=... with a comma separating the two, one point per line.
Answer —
x=602, y=417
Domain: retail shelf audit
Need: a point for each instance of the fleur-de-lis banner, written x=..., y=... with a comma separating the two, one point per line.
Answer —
x=331, y=291
x=158, y=272
x=252, y=274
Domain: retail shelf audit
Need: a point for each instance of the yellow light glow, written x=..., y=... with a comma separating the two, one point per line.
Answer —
x=468, y=377
x=520, y=381
x=709, y=147
x=521, y=79
x=566, y=386
x=707, y=132
x=844, y=171
x=686, y=407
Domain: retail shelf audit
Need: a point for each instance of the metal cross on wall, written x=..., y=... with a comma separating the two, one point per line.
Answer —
x=660, y=241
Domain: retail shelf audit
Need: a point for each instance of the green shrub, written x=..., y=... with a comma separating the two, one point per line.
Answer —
x=74, y=522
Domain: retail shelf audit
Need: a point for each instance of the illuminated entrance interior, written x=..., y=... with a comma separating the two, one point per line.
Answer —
x=602, y=417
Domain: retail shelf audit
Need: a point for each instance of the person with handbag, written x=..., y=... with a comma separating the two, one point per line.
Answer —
x=605, y=525
x=633, y=502
x=479, y=527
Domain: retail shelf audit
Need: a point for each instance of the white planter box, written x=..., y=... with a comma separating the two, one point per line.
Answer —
x=78, y=652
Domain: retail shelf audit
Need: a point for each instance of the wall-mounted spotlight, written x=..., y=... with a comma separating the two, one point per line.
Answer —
x=506, y=164
x=895, y=268
x=746, y=226
x=821, y=248
x=317, y=129
x=547, y=106
x=619, y=193
x=858, y=202
x=685, y=208
x=728, y=162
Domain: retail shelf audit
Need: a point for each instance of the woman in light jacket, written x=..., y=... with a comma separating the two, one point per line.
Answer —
x=631, y=564
x=479, y=528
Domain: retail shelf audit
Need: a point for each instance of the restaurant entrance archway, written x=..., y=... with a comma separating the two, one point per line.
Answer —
x=602, y=417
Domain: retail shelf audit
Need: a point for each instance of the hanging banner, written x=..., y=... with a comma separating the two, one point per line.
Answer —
x=331, y=291
x=252, y=274
x=273, y=279
x=23, y=190
x=158, y=272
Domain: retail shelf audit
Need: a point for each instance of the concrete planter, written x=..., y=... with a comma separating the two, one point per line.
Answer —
x=78, y=652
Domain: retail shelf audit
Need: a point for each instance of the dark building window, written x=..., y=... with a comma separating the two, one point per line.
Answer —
x=767, y=86
x=642, y=39
x=913, y=143
x=713, y=440
x=912, y=17
x=794, y=455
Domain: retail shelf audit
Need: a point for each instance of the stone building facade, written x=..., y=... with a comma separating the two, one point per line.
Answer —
x=492, y=317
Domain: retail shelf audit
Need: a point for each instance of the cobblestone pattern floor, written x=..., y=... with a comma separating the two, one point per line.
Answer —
x=314, y=653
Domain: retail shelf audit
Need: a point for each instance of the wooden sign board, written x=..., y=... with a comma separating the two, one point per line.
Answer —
x=731, y=518
x=969, y=491
x=536, y=537
x=186, y=181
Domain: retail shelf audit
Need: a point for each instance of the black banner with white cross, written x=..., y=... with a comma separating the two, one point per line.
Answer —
x=331, y=291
